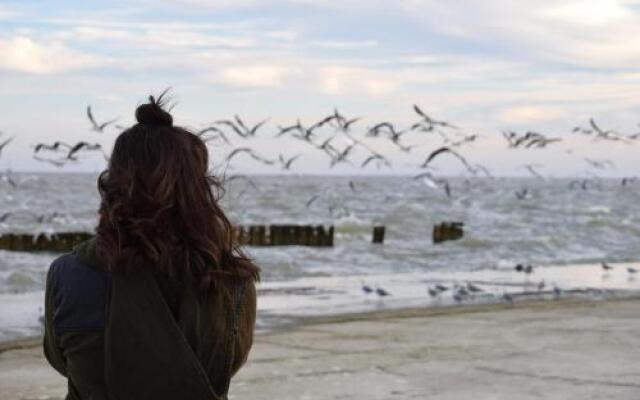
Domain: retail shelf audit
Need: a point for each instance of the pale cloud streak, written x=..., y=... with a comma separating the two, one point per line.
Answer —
x=529, y=114
x=254, y=76
x=589, y=33
x=344, y=45
x=23, y=54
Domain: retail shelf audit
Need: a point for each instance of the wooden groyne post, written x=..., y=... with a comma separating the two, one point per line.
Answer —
x=296, y=235
x=447, y=231
x=58, y=242
x=378, y=234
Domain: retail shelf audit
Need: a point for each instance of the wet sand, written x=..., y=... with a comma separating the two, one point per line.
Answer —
x=567, y=349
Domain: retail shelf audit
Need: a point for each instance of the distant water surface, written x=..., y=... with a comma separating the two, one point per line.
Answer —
x=554, y=225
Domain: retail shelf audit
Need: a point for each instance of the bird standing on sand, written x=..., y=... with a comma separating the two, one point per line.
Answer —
x=462, y=291
x=606, y=266
x=366, y=288
x=473, y=288
x=632, y=270
x=433, y=292
x=522, y=194
x=381, y=292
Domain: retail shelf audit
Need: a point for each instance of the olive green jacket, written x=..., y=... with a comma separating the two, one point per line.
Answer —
x=141, y=335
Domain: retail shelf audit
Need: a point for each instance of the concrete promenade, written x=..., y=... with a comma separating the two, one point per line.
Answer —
x=572, y=349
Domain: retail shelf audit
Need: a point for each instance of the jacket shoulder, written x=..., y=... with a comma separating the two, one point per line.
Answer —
x=80, y=295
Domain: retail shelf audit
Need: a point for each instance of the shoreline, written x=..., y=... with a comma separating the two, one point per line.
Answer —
x=284, y=304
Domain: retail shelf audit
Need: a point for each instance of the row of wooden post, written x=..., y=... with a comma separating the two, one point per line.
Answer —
x=254, y=235
x=285, y=235
x=57, y=243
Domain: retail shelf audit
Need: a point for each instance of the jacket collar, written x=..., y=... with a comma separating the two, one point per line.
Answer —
x=87, y=252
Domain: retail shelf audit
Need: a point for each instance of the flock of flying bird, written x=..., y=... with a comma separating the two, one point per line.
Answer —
x=343, y=127
x=341, y=144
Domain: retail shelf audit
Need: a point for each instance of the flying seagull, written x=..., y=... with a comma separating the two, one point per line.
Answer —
x=379, y=157
x=4, y=144
x=53, y=147
x=217, y=133
x=286, y=163
x=443, y=150
x=249, y=131
x=82, y=145
x=94, y=125
x=251, y=153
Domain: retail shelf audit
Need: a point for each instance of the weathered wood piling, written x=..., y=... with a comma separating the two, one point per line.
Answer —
x=447, y=231
x=378, y=234
x=301, y=235
x=59, y=242
x=254, y=235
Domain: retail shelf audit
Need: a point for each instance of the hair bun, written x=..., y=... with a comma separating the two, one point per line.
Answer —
x=152, y=113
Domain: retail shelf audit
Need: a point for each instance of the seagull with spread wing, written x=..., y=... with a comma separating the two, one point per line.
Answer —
x=443, y=150
x=94, y=125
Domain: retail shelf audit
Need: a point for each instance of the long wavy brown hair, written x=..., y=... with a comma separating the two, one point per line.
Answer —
x=160, y=206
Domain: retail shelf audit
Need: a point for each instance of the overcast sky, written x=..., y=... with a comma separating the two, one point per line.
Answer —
x=487, y=66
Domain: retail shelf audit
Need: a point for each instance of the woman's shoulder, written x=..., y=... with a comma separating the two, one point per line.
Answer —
x=78, y=269
x=72, y=269
x=79, y=292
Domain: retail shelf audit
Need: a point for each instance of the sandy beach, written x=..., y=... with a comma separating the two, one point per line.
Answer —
x=569, y=349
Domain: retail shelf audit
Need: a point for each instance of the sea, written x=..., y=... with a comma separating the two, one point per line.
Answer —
x=564, y=231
